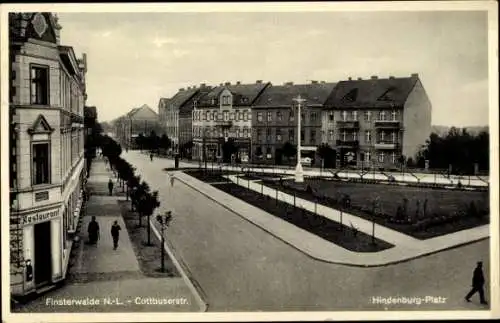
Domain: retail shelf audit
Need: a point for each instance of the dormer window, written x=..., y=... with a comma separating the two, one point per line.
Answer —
x=226, y=99
x=213, y=101
x=386, y=96
x=351, y=96
x=195, y=104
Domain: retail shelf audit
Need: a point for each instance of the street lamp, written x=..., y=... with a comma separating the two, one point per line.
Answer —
x=299, y=172
x=164, y=220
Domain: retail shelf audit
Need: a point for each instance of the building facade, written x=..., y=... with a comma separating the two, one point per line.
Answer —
x=373, y=122
x=222, y=122
x=46, y=103
x=274, y=121
x=138, y=121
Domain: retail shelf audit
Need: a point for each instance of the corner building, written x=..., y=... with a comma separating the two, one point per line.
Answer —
x=373, y=122
x=46, y=102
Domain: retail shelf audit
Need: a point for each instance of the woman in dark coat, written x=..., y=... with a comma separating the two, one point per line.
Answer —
x=93, y=231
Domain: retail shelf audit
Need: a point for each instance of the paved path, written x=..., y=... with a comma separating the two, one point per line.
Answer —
x=241, y=267
x=424, y=178
x=102, y=274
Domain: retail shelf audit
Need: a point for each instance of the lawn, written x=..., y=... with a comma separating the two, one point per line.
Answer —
x=331, y=231
x=446, y=211
x=148, y=256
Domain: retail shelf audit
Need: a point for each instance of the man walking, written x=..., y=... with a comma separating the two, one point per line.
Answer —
x=93, y=231
x=110, y=187
x=115, y=233
x=477, y=284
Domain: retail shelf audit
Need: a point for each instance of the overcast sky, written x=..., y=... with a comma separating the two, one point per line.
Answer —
x=136, y=58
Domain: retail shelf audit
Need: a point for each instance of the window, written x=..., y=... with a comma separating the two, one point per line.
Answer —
x=213, y=101
x=302, y=136
x=239, y=116
x=393, y=157
x=195, y=104
x=381, y=116
x=291, y=117
x=368, y=116
x=302, y=117
x=344, y=115
x=226, y=133
x=354, y=136
x=278, y=135
x=259, y=116
x=382, y=135
x=313, y=116
x=248, y=116
x=368, y=137
x=269, y=153
x=312, y=138
x=226, y=116
x=355, y=115
x=279, y=116
x=330, y=135
x=225, y=100
x=291, y=135
x=330, y=116
x=245, y=132
x=268, y=134
x=394, y=137
x=259, y=134
x=367, y=156
x=394, y=115
x=269, y=116
x=39, y=85
x=344, y=135
x=41, y=164
x=212, y=116
x=381, y=157
x=231, y=116
x=238, y=133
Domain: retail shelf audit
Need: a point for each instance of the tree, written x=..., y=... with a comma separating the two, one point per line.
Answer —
x=153, y=142
x=150, y=204
x=140, y=141
x=228, y=149
x=327, y=154
x=289, y=150
x=139, y=199
x=165, y=143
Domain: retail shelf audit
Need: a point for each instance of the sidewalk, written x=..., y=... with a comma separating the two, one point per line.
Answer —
x=406, y=247
x=112, y=277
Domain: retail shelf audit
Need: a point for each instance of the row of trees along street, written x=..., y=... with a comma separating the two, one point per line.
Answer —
x=143, y=200
x=159, y=144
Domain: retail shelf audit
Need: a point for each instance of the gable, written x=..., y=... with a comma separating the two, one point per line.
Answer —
x=40, y=126
x=41, y=27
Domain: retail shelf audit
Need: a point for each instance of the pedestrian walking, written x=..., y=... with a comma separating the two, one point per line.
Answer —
x=93, y=231
x=477, y=284
x=110, y=187
x=115, y=233
x=151, y=156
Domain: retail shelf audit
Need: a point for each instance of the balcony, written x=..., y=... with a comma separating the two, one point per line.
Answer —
x=348, y=124
x=386, y=145
x=224, y=123
x=387, y=124
x=347, y=143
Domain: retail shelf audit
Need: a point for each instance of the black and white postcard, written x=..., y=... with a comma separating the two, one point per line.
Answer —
x=249, y=161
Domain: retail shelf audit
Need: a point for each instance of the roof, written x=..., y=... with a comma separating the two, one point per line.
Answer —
x=243, y=94
x=188, y=105
x=374, y=92
x=134, y=111
x=180, y=98
x=283, y=95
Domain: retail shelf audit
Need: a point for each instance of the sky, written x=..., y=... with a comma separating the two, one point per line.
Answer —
x=137, y=58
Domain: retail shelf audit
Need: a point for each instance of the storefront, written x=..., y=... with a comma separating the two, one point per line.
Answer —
x=42, y=249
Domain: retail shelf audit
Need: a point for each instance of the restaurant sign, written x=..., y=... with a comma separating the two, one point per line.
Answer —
x=39, y=217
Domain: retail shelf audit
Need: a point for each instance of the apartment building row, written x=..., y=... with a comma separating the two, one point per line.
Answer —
x=141, y=120
x=366, y=122
x=47, y=95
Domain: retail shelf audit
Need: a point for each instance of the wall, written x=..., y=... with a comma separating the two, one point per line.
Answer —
x=416, y=120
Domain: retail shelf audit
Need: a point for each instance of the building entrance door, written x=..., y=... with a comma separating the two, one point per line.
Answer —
x=43, y=254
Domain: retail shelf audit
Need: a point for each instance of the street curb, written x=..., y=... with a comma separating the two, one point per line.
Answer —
x=382, y=264
x=188, y=278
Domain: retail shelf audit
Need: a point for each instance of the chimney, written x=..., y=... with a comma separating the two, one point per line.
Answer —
x=288, y=83
x=414, y=75
x=349, y=78
x=227, y=83
x=391, y=77
x=323, y=82
x=181, y=89
x=202, y=85
x=189, y=88
x=360, y=78
x=374, y=77
x=314, y=82
x=238, y=83
x=258, y=81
